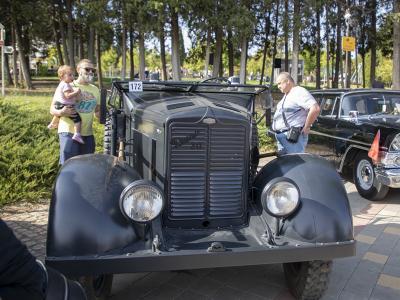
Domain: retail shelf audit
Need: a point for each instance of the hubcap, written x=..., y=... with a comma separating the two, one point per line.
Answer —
x=365, y=174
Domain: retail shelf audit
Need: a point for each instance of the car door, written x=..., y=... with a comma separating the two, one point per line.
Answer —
x=350, y=130
x=322, y=135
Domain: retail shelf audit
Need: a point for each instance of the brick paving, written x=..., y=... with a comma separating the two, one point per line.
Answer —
x=374, y=273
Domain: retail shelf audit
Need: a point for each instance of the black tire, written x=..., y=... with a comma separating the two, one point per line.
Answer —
x=365, y=180
x=107, y=136
x=109, y=141
x=307, y=279
x=97, y=287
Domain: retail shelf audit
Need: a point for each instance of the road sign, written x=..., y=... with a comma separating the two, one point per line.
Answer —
x=348, y=43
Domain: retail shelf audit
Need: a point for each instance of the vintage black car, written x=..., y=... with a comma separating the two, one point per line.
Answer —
x=178, y=188
x=344, y=133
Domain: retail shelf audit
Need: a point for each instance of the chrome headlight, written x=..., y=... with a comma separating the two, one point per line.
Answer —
x=395, y=144
x=280, y=197
x=390, y=160
x=141, y=201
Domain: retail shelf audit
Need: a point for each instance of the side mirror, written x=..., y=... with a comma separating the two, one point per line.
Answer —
x=103, y=106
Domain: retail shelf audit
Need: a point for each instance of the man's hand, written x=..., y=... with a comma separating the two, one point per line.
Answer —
x=68, y=111
x=306, y=130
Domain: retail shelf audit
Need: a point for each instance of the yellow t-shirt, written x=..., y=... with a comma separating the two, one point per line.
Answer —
x=85, y=106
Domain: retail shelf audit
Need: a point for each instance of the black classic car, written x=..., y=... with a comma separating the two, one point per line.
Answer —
x=349, y=122
x=178, y=188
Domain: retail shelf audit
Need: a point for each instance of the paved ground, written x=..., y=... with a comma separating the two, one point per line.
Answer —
x=374, y=273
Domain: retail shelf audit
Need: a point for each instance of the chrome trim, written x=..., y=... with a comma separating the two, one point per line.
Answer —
x=345, y=154
x=340, y=138
x=388, y=177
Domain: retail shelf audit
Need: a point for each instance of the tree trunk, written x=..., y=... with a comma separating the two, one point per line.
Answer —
x=318, y=56
x=81, y=44
x=286, y=33
x=207, y=60
x=56, y=37
x=131, y=56
x=62, y=32
x=275, y=40
x=91, y=43
x=396, y=47
x=142, y=61
x=70, y=34
x=7, y=71
x=243, y=60
x=266, y=45
x=22, y=58
x=164, y=74
x=98, y=57
x=221, y=67
x=176, y=64
x=123, y=70
x=327, y=46
x=13, y=44
x=296, y=40
x=230, y=53
x=218, y=51
x=338, y=55
x=372, y=7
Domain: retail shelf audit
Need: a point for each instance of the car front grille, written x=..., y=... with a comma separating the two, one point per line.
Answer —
x=207, y=171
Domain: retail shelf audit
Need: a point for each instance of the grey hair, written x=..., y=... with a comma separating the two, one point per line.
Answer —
x=286, y=76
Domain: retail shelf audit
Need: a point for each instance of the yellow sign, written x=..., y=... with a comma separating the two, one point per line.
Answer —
x=348, y=43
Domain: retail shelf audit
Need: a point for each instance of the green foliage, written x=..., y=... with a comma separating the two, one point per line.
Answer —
x=266, y=143
x=29, y=151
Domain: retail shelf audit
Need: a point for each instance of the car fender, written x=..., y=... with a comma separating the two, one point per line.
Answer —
x=324, y=214
x=84, y=215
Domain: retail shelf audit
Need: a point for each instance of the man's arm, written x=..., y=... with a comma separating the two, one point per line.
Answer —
x=66, y=111
x=97, y=111
x=312, y=115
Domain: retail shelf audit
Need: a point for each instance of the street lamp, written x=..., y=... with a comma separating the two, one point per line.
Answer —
x=347, y=19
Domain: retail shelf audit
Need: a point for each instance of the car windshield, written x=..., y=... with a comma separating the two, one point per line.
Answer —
x=370, y=104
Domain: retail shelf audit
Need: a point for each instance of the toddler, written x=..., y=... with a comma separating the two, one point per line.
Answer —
x=65, y=95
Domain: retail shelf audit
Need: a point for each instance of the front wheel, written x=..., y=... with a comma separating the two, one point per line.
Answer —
x=97, y=287
x=307, y=279
x=365, y=180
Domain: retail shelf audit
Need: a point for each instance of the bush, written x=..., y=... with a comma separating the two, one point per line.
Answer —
x=29, y=152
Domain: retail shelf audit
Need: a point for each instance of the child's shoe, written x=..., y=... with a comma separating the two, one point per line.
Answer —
x=52, y=126
x=77, y=137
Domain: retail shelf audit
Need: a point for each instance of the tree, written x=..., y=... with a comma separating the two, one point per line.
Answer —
x=396, y=45
x=296, y=39
x=70, y=25
x=372, y=40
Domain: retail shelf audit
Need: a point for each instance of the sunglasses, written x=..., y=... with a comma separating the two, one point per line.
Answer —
x=90, y=70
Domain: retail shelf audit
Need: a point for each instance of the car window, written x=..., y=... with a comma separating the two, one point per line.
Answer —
x=318, y=98
x=369, y=104
x=328, y=105
x=360, y=103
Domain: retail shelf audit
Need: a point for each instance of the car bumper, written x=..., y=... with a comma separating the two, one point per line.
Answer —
x=148, y=261
x=389, y=177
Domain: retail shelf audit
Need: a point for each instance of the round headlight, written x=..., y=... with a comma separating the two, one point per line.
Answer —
x=280, y=197
x=141, y=201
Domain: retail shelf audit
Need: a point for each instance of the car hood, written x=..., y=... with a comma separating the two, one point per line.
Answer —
x=158, y=107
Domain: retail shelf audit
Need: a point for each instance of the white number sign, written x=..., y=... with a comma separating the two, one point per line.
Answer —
x=135, y=86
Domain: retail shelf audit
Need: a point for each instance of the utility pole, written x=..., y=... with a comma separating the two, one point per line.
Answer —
x=2, y=39
x=347, y=18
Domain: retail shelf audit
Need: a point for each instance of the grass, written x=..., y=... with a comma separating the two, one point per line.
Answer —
x=29, y=152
